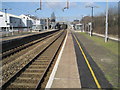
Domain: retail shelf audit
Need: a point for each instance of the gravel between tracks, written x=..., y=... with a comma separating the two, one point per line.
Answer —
x=12, y=67
x=31, y=76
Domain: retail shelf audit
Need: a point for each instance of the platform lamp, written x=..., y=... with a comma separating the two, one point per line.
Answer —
x=40, y=8
x=92, y=7
x=29, y=23
x=6, y=16
x=67, y=6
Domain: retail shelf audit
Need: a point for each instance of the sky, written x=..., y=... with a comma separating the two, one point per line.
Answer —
x=59, y=0
x=76, y=9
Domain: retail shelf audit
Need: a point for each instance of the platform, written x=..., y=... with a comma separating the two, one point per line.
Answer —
x=103, y=61
x=24, y=35
x=67, y=75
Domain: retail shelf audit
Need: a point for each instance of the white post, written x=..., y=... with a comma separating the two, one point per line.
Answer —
x=106, y=29
x=83, y=27
x=36, y=25
x=47, y=23
x=90, y=29
x=12, y=29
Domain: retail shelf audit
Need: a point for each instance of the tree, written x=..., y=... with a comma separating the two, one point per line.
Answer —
x=53, y=17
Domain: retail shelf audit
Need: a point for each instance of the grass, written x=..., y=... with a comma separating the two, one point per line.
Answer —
x=110, y=69
x=110, y=45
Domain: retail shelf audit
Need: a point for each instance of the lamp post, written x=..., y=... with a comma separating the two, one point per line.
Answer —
x=83, y=23
x=92, y=7
x=67, y=6
x=40, y=8
x=106, y=29
x=6, y=17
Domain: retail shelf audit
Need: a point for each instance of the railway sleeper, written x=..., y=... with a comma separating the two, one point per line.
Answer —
x=34, y=73
x=43, y=60
x=31, y=75
x=22, y=85
x=35, y=70
x=38, y=66
x=26, y=80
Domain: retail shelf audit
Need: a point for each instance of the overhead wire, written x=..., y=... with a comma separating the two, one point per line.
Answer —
x=20, y=9
x=33, y=11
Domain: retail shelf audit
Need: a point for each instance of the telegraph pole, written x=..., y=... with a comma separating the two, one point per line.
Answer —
x=106, y=29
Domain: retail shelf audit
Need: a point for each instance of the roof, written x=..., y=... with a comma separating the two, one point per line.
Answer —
x=10, y=15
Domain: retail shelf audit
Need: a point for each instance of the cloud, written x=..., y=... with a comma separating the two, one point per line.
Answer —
x=59, y=0
x=89, y=3
x=60, y=5
x=54, y=0
x=73, y=4
x=55, y=4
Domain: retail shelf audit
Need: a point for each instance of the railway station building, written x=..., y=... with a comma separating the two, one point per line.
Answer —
x=21, y=22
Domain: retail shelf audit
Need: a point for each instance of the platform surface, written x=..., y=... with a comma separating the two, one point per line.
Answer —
x=104, y=58
x=24, y=35
x=67, y=75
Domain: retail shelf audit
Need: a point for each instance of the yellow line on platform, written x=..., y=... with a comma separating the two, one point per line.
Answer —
x=90, y=68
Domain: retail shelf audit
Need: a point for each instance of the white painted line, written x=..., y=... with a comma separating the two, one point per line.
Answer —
x=112, y=38
x=50, y=81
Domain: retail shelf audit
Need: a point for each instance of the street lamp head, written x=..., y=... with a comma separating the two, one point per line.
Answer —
x=38, y=9
x=64, y=8
x=6, y=9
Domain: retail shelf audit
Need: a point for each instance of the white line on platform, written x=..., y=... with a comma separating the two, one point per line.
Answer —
x=50, y=81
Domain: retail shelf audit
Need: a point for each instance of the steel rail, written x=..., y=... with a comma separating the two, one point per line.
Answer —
x=6, y=84
x=17, y=49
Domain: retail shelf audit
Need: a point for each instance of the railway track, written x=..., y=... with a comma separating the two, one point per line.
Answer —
x=31, y=73
x=15, y=62
x=21, y=47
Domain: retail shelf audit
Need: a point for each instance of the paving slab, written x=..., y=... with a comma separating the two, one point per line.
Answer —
x=67, y=75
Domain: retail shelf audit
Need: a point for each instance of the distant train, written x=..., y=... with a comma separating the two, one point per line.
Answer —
x=61, y=26
x=64, y=26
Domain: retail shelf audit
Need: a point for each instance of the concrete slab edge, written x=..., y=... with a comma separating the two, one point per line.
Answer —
x=50, y=81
